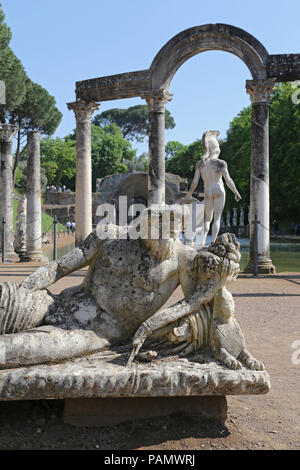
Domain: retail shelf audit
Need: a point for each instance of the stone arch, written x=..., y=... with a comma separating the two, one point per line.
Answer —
x=208, y=37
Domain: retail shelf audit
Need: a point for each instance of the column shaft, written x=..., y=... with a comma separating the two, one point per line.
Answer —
x=34, y=208
x=83, y=198
x=7, y=186
x=260, y=91
x=156, y=176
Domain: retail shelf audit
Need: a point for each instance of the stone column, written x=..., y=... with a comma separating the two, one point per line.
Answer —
x=156, y=177
x=260, y=91
x=34, y=207
x=83, y=198
x=7, y=187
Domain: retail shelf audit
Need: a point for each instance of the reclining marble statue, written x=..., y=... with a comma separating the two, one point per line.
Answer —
x=212, y=170
x=127, y=283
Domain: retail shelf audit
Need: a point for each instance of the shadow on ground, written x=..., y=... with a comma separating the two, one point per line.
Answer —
x=42, y=427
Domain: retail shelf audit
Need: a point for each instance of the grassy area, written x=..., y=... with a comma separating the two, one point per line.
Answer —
x=47, y=221
x=284, y=261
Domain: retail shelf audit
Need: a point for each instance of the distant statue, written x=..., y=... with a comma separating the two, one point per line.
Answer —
x=242, y=218
x=235, y=217
x=228, y=219
x=212, y=170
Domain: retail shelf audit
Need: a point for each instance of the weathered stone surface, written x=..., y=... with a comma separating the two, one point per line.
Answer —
x=7, y=133
x=284, y=67
x=129, y=280
x=125, y=85
x=83, y=212
x=20, y=235
x=260, y=91
x=42, y=344
x=156, y=102
x=104, y=375
x=34, y=207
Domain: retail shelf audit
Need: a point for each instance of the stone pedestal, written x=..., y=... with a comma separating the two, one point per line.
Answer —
x=34, y=207
x=7, y=187
x=156, y=181
x=260, y=91
x=83, y=200
x=111, y=411
x=100, y=389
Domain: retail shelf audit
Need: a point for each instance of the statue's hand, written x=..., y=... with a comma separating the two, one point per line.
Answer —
x=237, y=197
x=139, y=338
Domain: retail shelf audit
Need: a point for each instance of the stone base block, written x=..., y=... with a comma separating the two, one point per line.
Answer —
x=105, y=375
x=263, y=267
x=111, y=411
x=36, y=256
x=11, y=255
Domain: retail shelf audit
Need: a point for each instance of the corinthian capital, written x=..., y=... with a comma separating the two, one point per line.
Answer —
x=260, y=90
x=83, y=111
x=7, y=132
x=158, y=99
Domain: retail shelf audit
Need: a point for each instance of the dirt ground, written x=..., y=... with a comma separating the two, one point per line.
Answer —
x=268, y=310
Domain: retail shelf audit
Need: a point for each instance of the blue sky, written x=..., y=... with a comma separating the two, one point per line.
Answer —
x=62, y=41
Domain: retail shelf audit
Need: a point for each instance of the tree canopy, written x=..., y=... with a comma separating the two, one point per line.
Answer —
x=110, y=151
x=28, y=105
x=5, y=32
x=133, y=121
x=181, y=159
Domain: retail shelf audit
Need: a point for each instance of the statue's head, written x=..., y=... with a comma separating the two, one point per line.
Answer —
x=211, y=144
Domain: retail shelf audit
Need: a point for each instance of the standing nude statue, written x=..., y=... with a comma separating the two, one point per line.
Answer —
x=211, y=169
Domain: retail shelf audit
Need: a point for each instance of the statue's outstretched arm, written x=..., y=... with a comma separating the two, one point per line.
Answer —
x=230, y=182
x=76, y=259
x=204, y=293
x=195, y=180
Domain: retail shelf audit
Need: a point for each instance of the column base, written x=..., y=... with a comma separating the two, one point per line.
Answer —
x=11, y=254
x=37, y=256
x=111, y=411
x=264, y=266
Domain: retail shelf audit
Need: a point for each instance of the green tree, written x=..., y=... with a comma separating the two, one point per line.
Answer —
x=183, y=158
x=132, y=121
x=37, y=111
x=173, y=147
x=138, y=163
x=13, y=75
x=110, y=151
x=236, y=150
x=58, y=158
x=5, y=33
